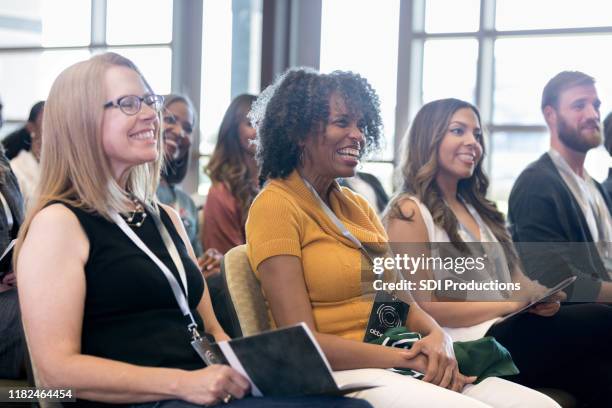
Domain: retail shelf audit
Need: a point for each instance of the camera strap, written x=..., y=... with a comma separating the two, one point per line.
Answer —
x=200, y=344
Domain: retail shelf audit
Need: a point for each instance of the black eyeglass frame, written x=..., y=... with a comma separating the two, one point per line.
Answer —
x=154, y=101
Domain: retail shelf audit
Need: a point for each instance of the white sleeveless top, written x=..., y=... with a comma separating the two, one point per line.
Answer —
x=438, y=234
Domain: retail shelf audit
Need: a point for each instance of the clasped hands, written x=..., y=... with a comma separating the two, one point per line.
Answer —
x=433, y=356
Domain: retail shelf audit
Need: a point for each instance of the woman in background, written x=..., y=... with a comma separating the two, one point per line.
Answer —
x=312, y=129
x=26, y=163
x=112, y=330
x=233, y=171
x=442, y=199
x=178, y=122
x=12, y=346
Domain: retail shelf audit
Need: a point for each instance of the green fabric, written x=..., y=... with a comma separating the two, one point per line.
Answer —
x=481, y=358
x=484, y=358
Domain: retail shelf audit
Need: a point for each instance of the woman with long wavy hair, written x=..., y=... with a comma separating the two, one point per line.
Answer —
x=442, y=206
x=233, y=171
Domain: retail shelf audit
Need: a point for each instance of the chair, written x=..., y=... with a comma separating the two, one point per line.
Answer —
x=245, y=298
x=249, y=312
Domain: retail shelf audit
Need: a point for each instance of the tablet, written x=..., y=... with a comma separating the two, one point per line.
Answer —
x=558, y=287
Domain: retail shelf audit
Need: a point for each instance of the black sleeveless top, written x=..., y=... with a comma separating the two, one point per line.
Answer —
x=130, y=313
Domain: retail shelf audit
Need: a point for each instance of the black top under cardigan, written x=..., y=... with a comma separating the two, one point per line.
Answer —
x=542, y=209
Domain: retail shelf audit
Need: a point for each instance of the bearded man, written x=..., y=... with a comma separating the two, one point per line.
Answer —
x=560, y=217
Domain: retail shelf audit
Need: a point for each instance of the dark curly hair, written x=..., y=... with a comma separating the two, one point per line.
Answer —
x=296, y=107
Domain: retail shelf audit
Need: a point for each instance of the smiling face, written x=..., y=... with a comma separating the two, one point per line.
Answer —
x=336, y=151
x=461, y=147
x=247, y=134
x=577, y=119
x=178, y=122
x=127, y=140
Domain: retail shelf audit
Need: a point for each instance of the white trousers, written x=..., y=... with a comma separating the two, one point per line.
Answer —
x=398, y=391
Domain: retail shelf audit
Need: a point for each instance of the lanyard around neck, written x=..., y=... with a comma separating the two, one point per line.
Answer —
x=330, y=214
x=395, y=295
x=181, y=298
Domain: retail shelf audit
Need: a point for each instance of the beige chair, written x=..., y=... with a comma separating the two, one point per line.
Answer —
x=244, y=292
x=251, y=311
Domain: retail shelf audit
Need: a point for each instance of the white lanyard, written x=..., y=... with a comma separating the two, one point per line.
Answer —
x=7, y=212
x=330, y=214
x=181, y=298
x=353, y=239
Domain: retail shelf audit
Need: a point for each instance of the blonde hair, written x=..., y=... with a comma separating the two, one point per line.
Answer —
x=74, y=166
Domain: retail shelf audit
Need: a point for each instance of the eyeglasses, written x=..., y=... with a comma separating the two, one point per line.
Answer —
x=131, y=104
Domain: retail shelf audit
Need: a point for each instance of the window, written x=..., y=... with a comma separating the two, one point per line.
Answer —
x=449, y=69
x=41, y=26
x=524, y=65
x=509, y=154
x=36, y=23
x=216, y=77
x=492, y=61
x=382, y=171
x=448, y=16
x=138, y=22
x=26, y=77
x=227, y=71
x=362, y=36
x=547, y=14
x=155, y=63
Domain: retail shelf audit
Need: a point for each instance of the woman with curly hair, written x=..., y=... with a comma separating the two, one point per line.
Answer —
x=442, y=199
x=233, y=171
x=127, y=298
x=306, y=236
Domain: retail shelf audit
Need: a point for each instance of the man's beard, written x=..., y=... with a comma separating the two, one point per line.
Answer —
x=572, y=138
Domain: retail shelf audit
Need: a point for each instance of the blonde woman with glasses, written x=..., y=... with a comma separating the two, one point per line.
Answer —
x=110, y=290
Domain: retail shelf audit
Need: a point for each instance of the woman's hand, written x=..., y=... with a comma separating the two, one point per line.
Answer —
x=550, y=306
x=210, y=262
x=420, y=364
x=442, y=368
x=9, y=281
x=408, y=360
x=212, y=385
x=220, y=335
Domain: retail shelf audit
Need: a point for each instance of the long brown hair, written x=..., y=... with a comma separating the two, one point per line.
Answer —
x=419, y=167
x=228, y=161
